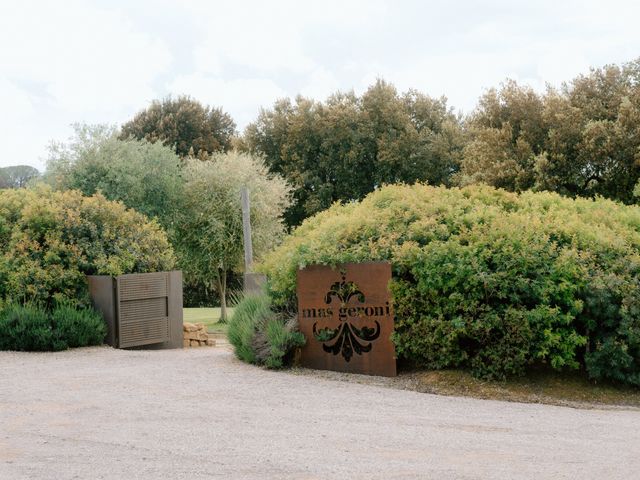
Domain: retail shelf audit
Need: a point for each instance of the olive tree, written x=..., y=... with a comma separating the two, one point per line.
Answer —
x=208, y=233
x=144, y=176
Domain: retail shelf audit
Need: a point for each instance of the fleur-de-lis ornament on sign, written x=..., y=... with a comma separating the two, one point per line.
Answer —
x=347, y=338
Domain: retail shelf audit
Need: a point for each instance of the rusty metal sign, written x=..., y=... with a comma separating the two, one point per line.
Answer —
x=346, y=315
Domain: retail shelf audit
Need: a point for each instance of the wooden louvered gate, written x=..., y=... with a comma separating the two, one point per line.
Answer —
x=143, y=309
x=140, y=309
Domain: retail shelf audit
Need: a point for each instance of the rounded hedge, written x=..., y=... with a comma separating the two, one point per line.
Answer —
x=49, y=241
x=489, y=280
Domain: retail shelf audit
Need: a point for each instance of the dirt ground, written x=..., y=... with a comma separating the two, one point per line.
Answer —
x=100, y=413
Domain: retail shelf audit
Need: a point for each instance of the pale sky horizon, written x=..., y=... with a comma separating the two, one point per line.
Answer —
x=103, y=61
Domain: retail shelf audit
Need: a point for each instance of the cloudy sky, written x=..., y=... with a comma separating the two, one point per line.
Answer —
x=102, y=61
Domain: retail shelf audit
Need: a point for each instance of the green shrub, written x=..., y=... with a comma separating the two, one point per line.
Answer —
x=50, y=240
x=78, y=328
x=25, y=328
x=489, y=280
x=261, y=336
x=31, y=328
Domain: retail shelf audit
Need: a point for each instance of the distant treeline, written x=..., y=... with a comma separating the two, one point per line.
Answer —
x=581, y=139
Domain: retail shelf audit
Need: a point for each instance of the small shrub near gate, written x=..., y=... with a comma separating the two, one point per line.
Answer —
x=261, y=336
x=25, y=328
x=78, y=327
x=29, y=328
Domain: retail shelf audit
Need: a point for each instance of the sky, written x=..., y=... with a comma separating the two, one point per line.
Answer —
x=103, y=61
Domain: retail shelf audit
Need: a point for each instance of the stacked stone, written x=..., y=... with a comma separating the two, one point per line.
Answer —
x=195, y=335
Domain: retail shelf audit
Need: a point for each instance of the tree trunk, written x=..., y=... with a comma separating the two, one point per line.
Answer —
x=222, y=290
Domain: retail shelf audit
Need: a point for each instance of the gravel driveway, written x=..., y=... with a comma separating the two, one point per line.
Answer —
x=199, y=413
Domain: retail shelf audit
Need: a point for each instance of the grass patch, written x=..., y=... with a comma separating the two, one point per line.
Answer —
x=555, y=388
x=545, y=387
x=209, y=316
x=539, y=386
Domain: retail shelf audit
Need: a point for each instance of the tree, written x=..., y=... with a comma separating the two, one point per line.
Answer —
x=347, y=146
x=183, y=124
x=142, y=175
x=208, y=235
x=580, y=140
x=507, y=132
x=593, y=145
x=17, y=176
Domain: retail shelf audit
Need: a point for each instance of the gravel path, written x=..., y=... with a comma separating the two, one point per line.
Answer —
x=199, y=413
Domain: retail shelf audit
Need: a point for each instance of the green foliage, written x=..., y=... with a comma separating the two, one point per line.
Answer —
x=142, y=175
x=26, y=328
x=344, y=148
x=50, y=240
x=78, y=328
x=248, y=317
x=183, y=124
x=209, y=239
x=30, y=328
x=280, y=341
x=582, y=140
x=489, y=280
x=261, y=336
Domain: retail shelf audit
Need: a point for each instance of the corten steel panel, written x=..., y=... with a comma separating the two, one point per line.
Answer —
x=102, y=292
x=346, y=315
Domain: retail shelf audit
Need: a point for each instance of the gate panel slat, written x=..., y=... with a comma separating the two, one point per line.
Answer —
x=148, y=285
x=143, y=308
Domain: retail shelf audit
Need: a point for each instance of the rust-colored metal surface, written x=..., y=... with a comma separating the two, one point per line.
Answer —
x=346, y=315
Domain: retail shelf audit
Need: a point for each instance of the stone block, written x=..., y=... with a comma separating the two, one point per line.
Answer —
x=189, y=327
x=192, y=335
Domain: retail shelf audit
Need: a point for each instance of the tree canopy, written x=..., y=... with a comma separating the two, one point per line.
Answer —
x=142, y=175
x=183, y=124
x=348, y=146
x=580, y=140
x=208, y=235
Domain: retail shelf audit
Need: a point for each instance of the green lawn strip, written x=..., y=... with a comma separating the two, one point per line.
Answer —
x=208, y=316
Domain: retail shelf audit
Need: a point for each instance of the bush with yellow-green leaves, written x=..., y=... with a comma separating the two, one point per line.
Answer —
x=49, y=241
x=488, y=280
